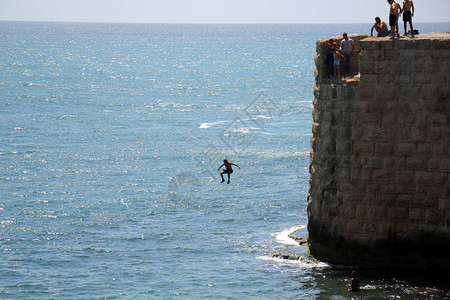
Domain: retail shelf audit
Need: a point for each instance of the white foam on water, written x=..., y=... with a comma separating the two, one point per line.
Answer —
x=209, y=125
x=283, y=236
x=303, y=263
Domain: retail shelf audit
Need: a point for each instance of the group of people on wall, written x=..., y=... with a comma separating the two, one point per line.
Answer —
x=395, y=11
x=335, y=54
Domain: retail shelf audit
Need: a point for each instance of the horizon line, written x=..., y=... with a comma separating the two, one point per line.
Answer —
x=192, y=23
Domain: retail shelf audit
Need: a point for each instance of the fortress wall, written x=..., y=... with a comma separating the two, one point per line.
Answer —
x=380, y=157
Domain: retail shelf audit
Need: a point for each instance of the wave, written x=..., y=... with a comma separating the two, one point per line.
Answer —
x=283, y=236
x=209, y=125
x=303, y=262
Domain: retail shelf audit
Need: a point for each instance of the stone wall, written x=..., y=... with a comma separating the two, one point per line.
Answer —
x=380, y=158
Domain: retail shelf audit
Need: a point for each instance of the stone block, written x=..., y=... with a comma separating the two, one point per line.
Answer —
x=421, y=119
x=327, y=117
x=376, y=133
x=389, y=118
x=404, y=177
x=381, y=67
x=444, y=165
x=375, y=162
x=365, y=91
x=421, y=54
x=433, y=164
x=439, y=178
x=369, y=227
x=417, y=66
x=436, y=134
x=389, y=162
x=343, y=146
x=388, y=188
x=407, y=54
x=420, y=79
x=384, y=149
x=442, y=55
x=392, y=55
x=432, y=67
x=357, y=133
x=440, y=149
x=354, y=225
x=439, y=119
x=424, y=150
x=409, y=94
x=361, y=211
x=418, y=134
x=362, y=148
x=400, y=162
x=416, y=214
x=445, y=67
x=403, y=79
x=369, y=78
x=415, y=163
x=400, y=67
x=370, y=117
x=367, y=67
x=385, y=44
x=404, y=229
x=424, y=178
x=407, y=149
x=383, y=176
x=385, y=228
x=434, y=217
x=442, y=93
x=363, y=105
x=386, y=78
x=428, y=92
x=398, y=213
x=377, y=54
x=386, y=92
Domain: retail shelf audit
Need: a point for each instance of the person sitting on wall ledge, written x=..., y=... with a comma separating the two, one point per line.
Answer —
x=381, y=27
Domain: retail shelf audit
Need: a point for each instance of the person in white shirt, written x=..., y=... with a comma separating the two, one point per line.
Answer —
x=347, y=46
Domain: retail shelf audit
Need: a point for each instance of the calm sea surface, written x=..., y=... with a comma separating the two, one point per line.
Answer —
x=110, y=140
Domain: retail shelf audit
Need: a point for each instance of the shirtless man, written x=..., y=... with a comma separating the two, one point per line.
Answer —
x=228, y=170
x=408, y=13
x=394, y=11
x=381, y=27
x=337, y=61
x=329, y=57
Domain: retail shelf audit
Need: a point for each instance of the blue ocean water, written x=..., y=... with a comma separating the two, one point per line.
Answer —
x=110, y=140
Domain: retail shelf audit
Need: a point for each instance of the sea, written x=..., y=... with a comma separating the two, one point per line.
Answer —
x=111, y=137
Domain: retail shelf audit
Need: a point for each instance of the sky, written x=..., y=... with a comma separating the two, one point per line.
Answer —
x=215, y=11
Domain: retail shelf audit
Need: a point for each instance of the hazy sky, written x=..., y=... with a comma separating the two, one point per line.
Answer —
x=215, y=11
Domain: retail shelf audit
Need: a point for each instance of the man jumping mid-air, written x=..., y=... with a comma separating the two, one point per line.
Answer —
x=228, y=170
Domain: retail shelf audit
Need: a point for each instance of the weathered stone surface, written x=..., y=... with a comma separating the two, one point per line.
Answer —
x=380, y=161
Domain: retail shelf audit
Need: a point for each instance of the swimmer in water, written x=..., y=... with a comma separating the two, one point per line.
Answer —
x=228, y=170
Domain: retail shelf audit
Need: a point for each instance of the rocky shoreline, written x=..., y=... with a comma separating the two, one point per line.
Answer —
x=295, y=252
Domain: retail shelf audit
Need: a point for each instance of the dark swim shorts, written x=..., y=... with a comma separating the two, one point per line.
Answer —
x=227, y=171
x=392, y=20
x=329, y=59
x=406, y=16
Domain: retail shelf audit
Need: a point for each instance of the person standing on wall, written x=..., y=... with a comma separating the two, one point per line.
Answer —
x=394, y=11
x=347, y=46
x=329, y=60
x=408, y=13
